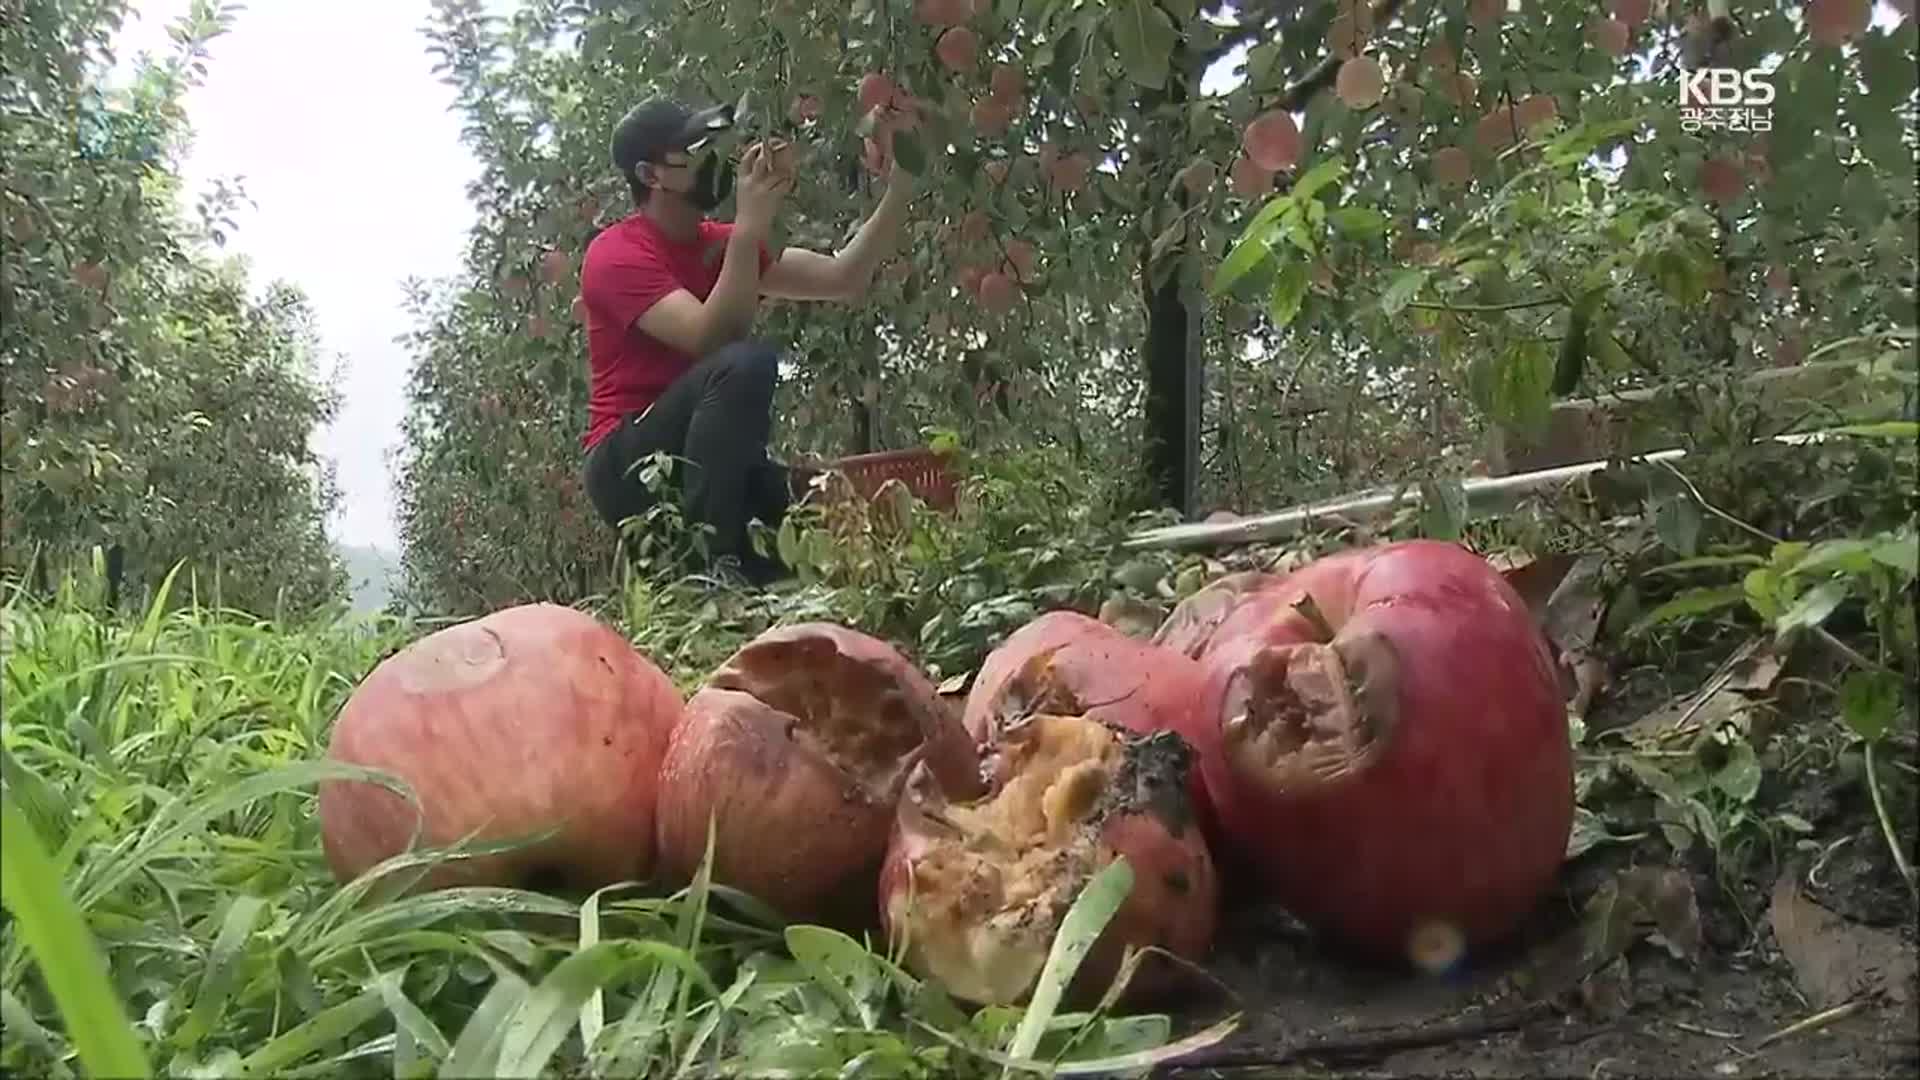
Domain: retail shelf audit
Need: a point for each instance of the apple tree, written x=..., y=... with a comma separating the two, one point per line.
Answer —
x=1238, y=252
x=151, y=405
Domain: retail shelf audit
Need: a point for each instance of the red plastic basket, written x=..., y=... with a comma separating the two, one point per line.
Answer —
x=923, y=471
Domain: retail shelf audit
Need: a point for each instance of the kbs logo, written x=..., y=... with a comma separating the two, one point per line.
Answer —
x=1732, y=98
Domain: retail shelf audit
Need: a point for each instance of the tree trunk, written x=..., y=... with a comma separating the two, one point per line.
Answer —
x=1175, y=363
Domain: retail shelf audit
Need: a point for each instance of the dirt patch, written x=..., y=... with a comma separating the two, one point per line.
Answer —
x=1646, y=1013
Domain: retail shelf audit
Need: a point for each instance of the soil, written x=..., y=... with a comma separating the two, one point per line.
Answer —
x=1654, y=1010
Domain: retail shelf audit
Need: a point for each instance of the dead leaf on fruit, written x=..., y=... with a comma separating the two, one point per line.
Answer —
x=1834, y=959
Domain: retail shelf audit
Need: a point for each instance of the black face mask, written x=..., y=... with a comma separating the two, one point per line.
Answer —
x=712, y=180
x=708, y=136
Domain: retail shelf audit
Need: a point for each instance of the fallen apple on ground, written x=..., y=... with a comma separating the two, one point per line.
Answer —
x=976, y=885
x=533, y=719
x=1394, y=752
x=1066, y=662
x=796, y=749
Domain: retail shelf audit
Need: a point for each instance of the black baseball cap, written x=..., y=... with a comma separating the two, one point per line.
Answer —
x=654, y=128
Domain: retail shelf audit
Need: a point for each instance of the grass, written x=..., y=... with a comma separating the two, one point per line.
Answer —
x=169, y=910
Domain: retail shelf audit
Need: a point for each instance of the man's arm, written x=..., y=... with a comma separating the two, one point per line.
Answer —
x=800, y=274
x=697, y=328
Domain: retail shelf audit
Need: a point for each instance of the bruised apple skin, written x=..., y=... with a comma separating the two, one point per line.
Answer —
x=533, y=718
x=1398, y=770
x=1067, y=662
x=797, y=748
x=975, y=886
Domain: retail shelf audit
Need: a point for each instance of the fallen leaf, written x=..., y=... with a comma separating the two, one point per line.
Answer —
x=1607, y=994
x=1535, y=578
x=1755, y=670
x=1833, y=959
x=1575, y=609
x=1134, y=618
x=1642, y=903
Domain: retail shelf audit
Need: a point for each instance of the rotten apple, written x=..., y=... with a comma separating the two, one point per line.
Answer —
x=536, y=719
x=796, y=749
x=1067, y=662
x=977, y=881
x=1394, y=758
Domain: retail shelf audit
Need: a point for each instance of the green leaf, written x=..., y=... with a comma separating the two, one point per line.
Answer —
x=71, y=964
x=1247, y=255
x=217, y=976
x=1311, y=181
x=842, y=967
x=316, y=1034
x=1870, y=703
x=1739, y=777
x=1443, y=508
x=1690, y=604
x=1084, y=922
x=1289, y=290
x=909, y=153
x=1144, y=36
x=1521, y=388
x=1359, y=222
x=1902, y=430
x=477, y=1051
x=1677, y=522
x=1405, y=286
x=540, y=1025
x=1901, y=553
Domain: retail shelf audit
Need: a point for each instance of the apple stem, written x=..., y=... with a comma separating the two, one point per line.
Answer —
x=1311, y=612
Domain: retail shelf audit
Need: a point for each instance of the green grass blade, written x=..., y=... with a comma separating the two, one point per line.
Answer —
x=553, y=1008
x=593, y=1016
x=1089, y=915
x=174, y=822
x=70, y=960
x=19, y=1024
x=410, y=1020
x=321, y=1031
x=216, y=978
x=476, y=1053
x=711, y=1022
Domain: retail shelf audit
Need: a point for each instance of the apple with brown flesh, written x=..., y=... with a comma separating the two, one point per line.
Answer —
x=1067, y=662
x=976, y=884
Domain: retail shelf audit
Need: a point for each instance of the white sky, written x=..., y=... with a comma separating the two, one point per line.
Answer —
x=358, y=180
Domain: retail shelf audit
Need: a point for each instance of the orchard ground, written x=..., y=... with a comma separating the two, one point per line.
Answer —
x=172, y=756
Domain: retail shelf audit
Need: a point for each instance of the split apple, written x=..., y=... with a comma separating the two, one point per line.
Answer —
x=796, y=749
x=1068, y=663
x=536, y=719
x=976, y=884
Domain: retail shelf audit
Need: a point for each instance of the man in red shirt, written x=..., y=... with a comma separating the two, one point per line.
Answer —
x=670, y=298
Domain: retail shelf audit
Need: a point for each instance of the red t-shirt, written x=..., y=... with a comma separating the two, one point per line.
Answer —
x=629, y=267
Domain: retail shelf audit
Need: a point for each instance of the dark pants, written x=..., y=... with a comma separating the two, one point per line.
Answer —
x=716, y=419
